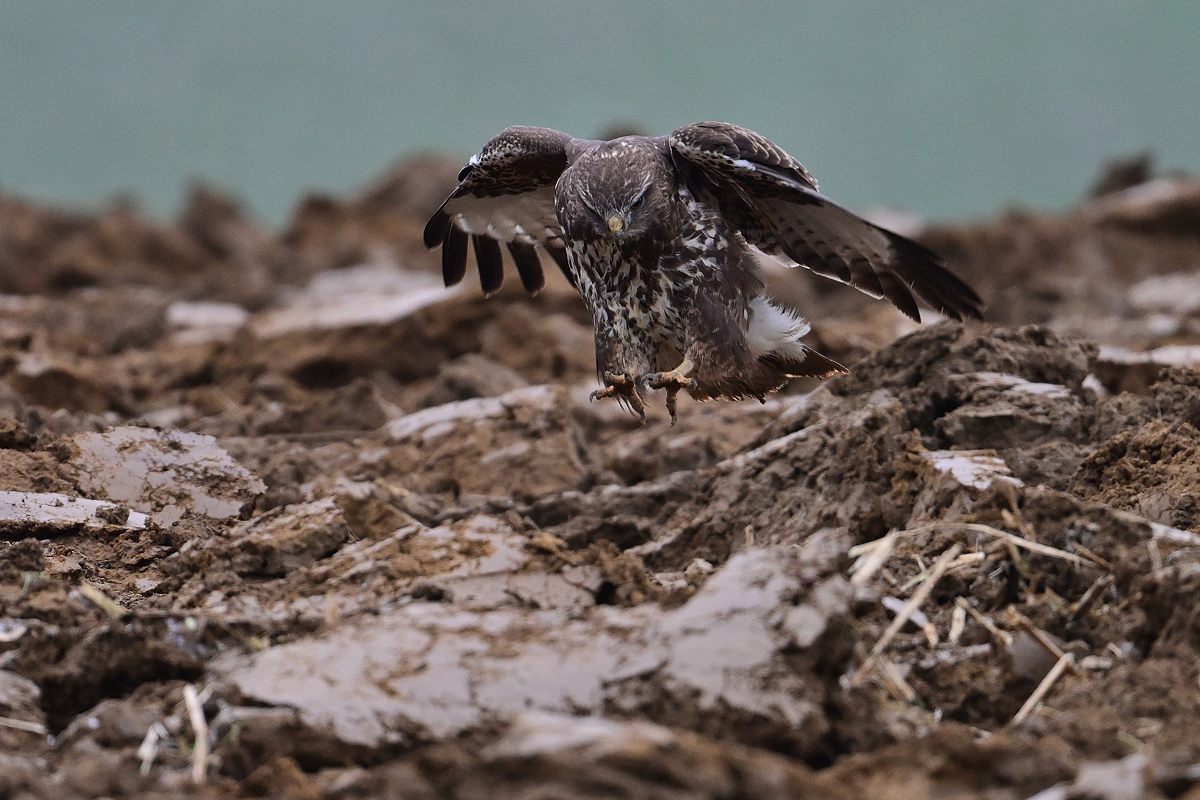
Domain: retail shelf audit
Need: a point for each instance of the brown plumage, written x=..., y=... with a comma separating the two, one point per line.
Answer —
x=658, y=234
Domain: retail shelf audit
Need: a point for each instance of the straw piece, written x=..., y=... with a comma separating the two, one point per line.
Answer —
x=100, y=600
x=200, y=731
x=918, y=597
x=1043, y=688
x=1093, y=593
x=958, y=623
x=148, y=750
x=874, y=559
x=895, y=682
x=1156, y=562
x=29, y=726
x=1003, y=637
x=976, y=527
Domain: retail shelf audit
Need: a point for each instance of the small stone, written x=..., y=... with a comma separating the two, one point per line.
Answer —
x=151, y=470
x=697, y=570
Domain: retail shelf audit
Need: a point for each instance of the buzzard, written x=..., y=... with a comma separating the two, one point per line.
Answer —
x=658, y=235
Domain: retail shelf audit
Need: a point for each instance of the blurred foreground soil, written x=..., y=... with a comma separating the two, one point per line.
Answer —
x=281, y=517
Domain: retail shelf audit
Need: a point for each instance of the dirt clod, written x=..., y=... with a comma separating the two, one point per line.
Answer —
x=379, y=531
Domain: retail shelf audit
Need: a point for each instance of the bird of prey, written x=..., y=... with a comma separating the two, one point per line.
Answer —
x=658, y=234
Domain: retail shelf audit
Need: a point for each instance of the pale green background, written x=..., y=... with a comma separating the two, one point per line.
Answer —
x=950, y=108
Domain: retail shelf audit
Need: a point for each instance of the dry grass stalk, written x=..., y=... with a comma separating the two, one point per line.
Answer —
x=29, y=726
x=100, y=600
x=1089, y=598
x=148, y=750
x=1156, y=562
x=1166, y=533
x=200, y=733
x=865, y=568
x=958, y=623
x=1160, y=531
x=967, y=560
x=895, y=683
x=988, y=530
x=915, y=580
x=1018, y=561
x=866, y=547
x=1004, y=638
x=1043, y=688
x=1014, y=518
x=959, y=564
x=918, y=597
x=1018, y=541
x=1095, y=559
x=931, y=634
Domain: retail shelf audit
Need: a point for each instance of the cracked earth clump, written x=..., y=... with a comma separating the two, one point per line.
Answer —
x=354, y=535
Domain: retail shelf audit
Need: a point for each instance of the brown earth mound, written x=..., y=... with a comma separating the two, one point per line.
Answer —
x=279, y=516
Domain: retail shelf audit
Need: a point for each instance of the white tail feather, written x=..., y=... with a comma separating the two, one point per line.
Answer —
x=777, y=330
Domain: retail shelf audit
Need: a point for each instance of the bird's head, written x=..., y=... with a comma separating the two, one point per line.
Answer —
x=618, y=193
x=619, y=213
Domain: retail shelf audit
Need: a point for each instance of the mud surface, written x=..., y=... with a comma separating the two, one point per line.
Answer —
x=281, y=517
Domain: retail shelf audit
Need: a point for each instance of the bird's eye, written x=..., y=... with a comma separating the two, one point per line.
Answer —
x=590, y=208
x=638, y=202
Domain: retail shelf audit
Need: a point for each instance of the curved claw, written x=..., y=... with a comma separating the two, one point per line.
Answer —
x=623, y=387
x=672, y=381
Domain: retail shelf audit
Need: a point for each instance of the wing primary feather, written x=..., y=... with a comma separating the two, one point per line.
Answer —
x=899, y=295
x=559, y=255
x=865, y=279
x=528, y=266
x=505, y=193
x=435, y=229
x=926, y=273
x=775, y=204
x=491, y=266
x=454, y=256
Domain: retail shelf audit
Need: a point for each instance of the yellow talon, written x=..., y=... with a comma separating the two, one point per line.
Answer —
x=673, y=381
x=623, y=387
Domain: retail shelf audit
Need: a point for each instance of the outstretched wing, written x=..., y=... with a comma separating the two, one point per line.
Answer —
x=505, y=194
x=774, y=202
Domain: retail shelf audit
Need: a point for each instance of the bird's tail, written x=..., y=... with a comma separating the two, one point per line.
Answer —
x=806, y=364
x=774, y=333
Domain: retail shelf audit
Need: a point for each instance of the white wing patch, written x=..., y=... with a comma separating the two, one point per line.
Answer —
x=527, y=217
x=745, y=166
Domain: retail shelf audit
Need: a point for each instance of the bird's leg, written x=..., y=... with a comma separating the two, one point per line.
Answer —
x=621, y=357
x=623, y=386
x=673, y=381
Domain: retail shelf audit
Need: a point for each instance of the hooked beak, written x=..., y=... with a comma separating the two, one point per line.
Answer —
x=616, y=223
